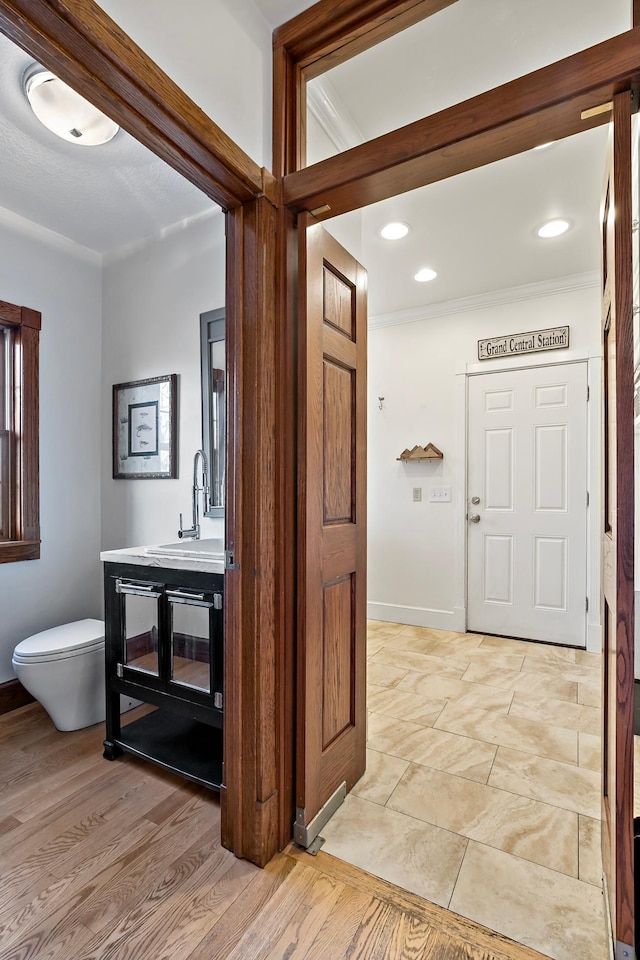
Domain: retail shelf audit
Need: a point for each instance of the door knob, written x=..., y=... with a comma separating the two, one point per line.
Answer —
x=475, y=518
x=475, y=501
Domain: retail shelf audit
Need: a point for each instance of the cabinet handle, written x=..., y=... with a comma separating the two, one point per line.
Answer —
x=186, y=594
x=138, y=589
x=196, y=599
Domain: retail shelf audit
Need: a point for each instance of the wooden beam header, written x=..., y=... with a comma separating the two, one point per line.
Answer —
x=330, y=32
x=543, y=105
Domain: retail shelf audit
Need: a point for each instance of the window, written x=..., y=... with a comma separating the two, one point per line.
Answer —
x=5, y=434
x=212, y=349
x=19, y=464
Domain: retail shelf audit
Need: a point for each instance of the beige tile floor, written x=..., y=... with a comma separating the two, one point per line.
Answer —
x=482, y=790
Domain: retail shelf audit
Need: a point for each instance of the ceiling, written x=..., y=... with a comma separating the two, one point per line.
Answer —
x=103, y=197
x=476, y=230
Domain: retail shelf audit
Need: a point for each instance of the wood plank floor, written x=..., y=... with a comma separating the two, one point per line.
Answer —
x=122, y=861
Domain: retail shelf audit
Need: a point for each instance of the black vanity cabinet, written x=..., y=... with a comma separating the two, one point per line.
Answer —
x=164, y=646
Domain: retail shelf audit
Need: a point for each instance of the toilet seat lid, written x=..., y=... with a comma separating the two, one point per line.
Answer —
x=69, y=638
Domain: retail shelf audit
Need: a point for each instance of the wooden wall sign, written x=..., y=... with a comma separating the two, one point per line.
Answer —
x=555, y=338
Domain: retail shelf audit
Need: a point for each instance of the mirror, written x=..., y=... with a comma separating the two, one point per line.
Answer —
x=213, y=358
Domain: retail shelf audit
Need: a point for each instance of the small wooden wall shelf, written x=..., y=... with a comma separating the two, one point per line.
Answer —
x=430, y=452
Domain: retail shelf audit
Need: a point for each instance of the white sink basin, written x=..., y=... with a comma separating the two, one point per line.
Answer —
x=212, y=549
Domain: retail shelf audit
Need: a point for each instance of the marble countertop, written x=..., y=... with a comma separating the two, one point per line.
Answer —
x=140, y=556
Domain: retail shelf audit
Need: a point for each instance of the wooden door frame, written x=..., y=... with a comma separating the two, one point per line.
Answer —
x=618, y=542
x=319, y=38
x=82, y=45
x=543, y=105
x=547, y=104
x=88, y=50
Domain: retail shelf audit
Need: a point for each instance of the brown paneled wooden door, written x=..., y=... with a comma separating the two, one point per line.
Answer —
x=618, y=534
x=331, y=706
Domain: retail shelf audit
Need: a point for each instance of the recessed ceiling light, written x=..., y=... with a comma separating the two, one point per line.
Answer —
x=65, y=112
x=395, y=230
x=553, y=228
x=544, y=146
x=424, y=275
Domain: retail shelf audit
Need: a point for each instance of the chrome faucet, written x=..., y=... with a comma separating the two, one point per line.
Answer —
x=194, y=530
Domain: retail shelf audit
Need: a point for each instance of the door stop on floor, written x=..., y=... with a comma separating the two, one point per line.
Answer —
x=314, y=846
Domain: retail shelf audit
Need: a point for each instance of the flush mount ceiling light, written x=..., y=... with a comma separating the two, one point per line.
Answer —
x=395, y=230
x=545, y=146
x=65, y=112
x=553, y=228
x=424, y=275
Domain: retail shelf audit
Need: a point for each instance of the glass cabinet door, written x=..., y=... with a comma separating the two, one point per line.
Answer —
x=141, y=625
x=190, y=626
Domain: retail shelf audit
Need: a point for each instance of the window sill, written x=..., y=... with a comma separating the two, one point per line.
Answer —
x=12, y=551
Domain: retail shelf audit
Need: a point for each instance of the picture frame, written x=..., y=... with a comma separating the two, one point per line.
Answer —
x=145, y=429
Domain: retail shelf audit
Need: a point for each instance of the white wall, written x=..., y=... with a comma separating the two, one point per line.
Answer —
x=152, y=300
x=414, y=555
x=41, y=270
x=218, y=52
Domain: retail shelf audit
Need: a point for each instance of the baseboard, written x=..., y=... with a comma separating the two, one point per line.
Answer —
x=12, y=696
x=453, y=620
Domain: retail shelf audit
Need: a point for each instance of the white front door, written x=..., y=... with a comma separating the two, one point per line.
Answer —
x=527, y=503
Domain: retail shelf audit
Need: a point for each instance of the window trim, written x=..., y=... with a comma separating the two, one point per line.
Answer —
x=25, y=324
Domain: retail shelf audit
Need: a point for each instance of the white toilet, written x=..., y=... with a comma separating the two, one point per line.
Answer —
x=63, y=668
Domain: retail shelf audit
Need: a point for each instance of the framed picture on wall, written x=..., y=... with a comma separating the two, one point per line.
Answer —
x=145, y=429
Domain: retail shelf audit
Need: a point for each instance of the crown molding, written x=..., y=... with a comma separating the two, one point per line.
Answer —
x=528, y=291
x=44, y=235
x=325, y=105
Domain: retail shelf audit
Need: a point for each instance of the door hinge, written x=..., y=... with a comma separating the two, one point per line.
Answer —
x=586, y=604
x=119, y=671
x=217, y=601
x=587, y=498
x=217, y=700
x=588, y=393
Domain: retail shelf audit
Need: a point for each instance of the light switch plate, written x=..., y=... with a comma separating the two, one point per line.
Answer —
x=440, y=494
x=417, y=494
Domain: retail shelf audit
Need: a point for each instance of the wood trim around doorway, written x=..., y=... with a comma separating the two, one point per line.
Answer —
x=319, y=38
x=322, y=36
x=81, y=44
x=257, y=792
x=328, y=33
x=544, y=105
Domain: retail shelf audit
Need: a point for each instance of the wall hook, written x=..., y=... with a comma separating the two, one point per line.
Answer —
x=380, y=400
